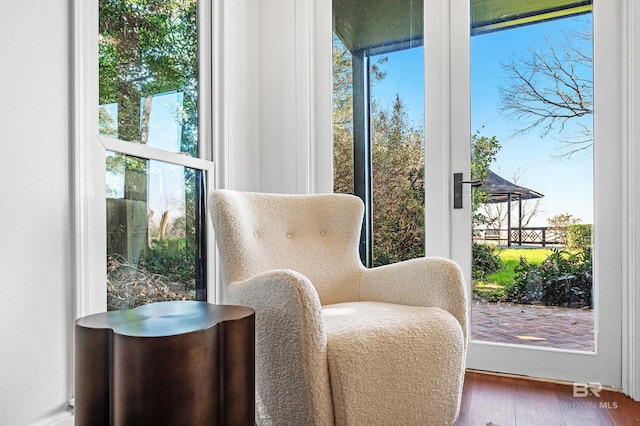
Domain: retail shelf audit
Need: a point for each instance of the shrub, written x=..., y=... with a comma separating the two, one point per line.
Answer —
x=173, y=259
x=579, y=237
x=484, y=261
x=560, y=222
x=568, y=279
x=525, y=287
x=560, y=280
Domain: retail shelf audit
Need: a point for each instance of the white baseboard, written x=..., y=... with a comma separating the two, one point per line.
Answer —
x=59, y=419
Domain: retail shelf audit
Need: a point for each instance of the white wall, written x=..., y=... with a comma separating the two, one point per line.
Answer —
x=264, y=127
x=277, y=96
x=295, y=96
x=240, y=96
x=35, y=211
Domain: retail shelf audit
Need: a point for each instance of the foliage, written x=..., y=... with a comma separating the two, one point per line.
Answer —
x=563, y=220
x=525, y=286
x=563, y=279
x=483, y=153
x=343, y=114
x=172, y=258
x=397, y=162
x=397, y=147
x=560, y=223
x=398, y=186
x=129, y=286
x=342, y=119
x=484, y=260
x=547, y=276
x=148, y=47
x=579, y=237
x=510, y=259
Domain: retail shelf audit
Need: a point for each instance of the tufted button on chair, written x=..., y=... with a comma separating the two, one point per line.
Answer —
x=337, y=343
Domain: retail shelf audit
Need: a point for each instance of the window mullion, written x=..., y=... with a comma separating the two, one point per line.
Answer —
x=362, y=149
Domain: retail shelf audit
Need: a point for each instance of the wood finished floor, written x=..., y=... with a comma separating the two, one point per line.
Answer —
x=510, y=401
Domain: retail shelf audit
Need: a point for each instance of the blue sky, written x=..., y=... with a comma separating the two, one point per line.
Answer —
x=566, y=183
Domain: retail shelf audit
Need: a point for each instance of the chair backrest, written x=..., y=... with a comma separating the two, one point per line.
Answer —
x=315, y=235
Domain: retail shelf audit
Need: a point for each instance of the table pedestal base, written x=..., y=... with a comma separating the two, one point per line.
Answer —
x=167, y=363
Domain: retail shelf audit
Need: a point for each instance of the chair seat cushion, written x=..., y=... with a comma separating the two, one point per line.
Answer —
x=393, y=364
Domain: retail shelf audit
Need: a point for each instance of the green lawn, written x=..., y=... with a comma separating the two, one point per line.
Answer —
x=494, y=284
x=510, y=259
x=535, y=255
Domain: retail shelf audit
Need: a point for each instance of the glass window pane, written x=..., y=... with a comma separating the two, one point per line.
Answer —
x=397, y=155
x=378, y=119
x=342, y=119
x=155, y=232
x=148, y=72
x=532, y=116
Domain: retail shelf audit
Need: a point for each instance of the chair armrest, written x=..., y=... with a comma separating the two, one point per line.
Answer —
x=427, y=281
x=293, y=380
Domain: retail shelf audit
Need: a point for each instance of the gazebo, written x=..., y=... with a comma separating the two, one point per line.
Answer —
x=500, y=190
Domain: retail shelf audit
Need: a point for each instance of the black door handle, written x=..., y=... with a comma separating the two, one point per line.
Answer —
x=457, y=188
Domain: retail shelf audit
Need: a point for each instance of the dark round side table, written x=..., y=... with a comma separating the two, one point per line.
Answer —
x=167, y=363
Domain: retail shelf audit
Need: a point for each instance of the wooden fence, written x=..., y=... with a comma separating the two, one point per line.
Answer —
x=535, y=236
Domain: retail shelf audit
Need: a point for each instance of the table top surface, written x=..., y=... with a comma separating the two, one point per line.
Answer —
x=165, y=318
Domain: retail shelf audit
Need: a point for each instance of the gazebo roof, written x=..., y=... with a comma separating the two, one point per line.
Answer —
x=498, y=189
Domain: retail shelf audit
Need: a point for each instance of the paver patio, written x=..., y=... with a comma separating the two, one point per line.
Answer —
x=546, y=326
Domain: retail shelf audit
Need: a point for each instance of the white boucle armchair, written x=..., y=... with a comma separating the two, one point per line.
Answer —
x=337, y=343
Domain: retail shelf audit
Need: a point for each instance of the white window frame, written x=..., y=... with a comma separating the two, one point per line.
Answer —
x=89, y=151
x=630, y=120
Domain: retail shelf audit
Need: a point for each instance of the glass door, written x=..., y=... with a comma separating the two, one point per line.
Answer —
x=532, y=148
x=549, y=186
x=543, y=262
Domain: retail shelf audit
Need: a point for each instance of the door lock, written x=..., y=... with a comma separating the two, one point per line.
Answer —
x=457, y=188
